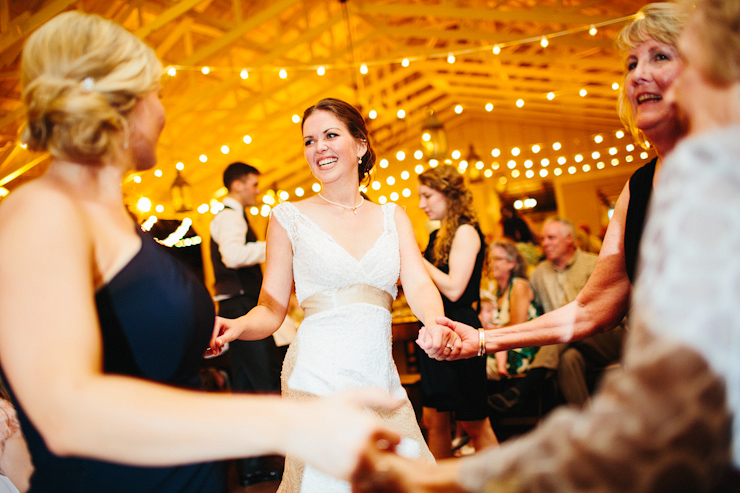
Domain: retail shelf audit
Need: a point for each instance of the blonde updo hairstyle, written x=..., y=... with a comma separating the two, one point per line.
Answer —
x=81, y=76
x=450, y=183
x=660, y=21
x=718, y=25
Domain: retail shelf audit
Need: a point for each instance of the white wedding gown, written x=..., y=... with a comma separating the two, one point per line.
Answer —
x=346, y=346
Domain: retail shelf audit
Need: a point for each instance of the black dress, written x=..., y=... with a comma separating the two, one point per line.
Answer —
x=457, y=386
x=641, y=188
x=156, y=319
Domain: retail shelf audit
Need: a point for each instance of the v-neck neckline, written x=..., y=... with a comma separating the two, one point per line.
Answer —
x=333, y=240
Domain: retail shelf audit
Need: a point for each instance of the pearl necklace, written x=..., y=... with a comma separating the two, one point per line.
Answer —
x=353, y=209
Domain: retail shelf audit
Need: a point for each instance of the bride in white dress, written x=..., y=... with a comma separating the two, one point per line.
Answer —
x=346, y=255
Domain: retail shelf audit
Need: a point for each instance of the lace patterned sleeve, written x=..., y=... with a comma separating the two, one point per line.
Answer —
x=689, y=282
x=662, y=422
x=659, y=424
x=285, y=214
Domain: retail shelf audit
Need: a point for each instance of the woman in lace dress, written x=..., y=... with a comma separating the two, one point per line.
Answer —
x=346, y=255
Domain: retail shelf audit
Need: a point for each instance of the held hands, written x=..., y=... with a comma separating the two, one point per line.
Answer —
x=465, y=335
x=341, y=431
x=439, y=342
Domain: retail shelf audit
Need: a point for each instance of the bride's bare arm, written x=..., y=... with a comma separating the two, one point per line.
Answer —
x=268, y=315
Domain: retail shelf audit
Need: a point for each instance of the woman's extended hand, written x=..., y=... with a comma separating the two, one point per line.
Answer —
x=224, y=330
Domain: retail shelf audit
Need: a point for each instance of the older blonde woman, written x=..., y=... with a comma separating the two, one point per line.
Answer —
x=662, y=423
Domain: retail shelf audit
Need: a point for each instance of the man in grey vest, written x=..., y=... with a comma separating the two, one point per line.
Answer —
x=236, y=255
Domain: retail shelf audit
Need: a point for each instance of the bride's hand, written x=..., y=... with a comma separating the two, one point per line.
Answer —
x=439, y=342
x=224, y=330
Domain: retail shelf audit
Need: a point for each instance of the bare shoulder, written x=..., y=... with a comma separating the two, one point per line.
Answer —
x=41, y=205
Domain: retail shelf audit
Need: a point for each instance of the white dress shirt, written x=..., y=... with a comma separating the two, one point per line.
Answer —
x=228, y=230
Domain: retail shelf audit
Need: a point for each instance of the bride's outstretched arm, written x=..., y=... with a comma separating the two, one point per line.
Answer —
x=266, y=317
x=421, y=293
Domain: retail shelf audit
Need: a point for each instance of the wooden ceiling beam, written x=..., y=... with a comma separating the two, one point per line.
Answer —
x=273, y=10
x=23, y=25
x=542, y=15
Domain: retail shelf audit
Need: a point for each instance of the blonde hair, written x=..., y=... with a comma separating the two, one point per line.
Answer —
x=81, y=76
x=659, y=21
x=450, y=183
x=718, y=26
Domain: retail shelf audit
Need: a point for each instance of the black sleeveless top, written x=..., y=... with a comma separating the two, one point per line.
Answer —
x=641, y=187
x=156, y=319
x=464, y=309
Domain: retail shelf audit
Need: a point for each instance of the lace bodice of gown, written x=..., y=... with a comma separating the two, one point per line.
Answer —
x=321, y=264
x=347, y=346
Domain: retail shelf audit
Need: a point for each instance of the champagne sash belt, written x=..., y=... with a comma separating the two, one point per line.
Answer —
x=357, y=293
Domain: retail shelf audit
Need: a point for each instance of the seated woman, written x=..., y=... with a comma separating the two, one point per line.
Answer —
x=512, y=303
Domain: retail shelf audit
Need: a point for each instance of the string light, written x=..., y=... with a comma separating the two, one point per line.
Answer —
x=283, y=74
x=450, y=55
x=321, y=70
x=244, y=74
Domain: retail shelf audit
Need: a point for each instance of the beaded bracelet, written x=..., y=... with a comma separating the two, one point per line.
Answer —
x=481, y=342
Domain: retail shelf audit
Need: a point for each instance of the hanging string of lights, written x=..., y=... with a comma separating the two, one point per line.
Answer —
x=405, y=61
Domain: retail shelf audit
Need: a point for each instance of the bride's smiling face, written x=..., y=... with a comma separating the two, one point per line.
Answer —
x=330, y=150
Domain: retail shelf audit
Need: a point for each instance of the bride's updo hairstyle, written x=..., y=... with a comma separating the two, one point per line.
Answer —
x=81, y=76
x=355, y=123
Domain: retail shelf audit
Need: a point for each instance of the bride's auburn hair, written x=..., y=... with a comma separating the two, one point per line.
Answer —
x=355, y=123
x=450, y=183
x=81, y=76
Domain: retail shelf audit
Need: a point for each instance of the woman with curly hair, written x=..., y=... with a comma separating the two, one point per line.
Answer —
x=454, y=259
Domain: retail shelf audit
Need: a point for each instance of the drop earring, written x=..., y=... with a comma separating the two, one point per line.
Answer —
x=359, y=160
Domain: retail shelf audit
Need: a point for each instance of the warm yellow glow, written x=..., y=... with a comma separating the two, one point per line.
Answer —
x=321, y=70
x=400, y=155
x=556, y=146
x=515, y=151
x=544, y=42
x=496, y=49
x=401, y=114
x=519, y=103
x=489, y=107
x=598, y=139
x=372, y=114
x=299, y=192
x=179, y=166
x=137, y=178
x=157, y=173
x=171, y=71
x=283, y=74
x=456, y=154
x=244, y=74
x=405, y=62
x=205, y=70
x=536, y=148
x=224, y=149
x=203, y=158
x=383, y=163
x=363, y=69
x=247, y=139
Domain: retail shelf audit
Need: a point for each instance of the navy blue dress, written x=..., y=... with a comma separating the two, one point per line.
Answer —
x=156, y=319
x=457, y=386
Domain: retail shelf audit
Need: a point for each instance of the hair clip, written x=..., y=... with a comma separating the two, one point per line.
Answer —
x=87, y=84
